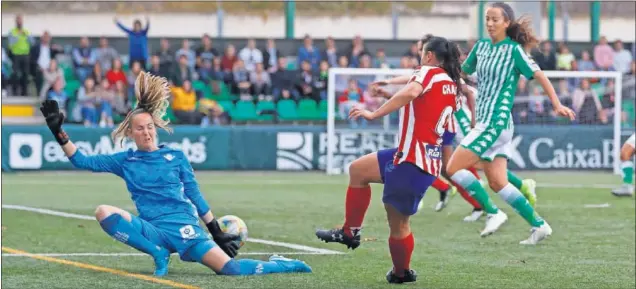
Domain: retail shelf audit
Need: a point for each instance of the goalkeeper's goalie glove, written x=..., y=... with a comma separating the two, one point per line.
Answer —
x=227, y=242
x=54, y=120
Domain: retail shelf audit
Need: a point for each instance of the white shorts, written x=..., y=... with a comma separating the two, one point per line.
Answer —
x=488, y=141
x=631, y=141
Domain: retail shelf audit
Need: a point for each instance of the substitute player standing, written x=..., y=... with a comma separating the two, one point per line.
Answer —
x=627, y=166
x=499, y=62
x=165, y=193
x=426, y=104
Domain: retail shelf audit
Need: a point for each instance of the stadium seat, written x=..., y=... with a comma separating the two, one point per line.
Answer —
x=287, y=110
x=308, y=110
x=268, y=107
x=323, y=108
x=227, y=105
x=224, y=93
x=201, y=86
x=244, y=111
x=71, y=88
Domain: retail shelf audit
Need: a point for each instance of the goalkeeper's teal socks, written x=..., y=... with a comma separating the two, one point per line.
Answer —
x=517, y=201
x=120, y=229
x=469, y=182
x=628, y=172
x=276, y=264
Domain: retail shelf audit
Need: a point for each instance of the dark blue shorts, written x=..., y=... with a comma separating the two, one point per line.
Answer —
x=404, y=184
x=447, y=138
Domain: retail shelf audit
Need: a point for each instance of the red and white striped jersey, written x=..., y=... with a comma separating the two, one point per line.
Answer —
x=424, y=120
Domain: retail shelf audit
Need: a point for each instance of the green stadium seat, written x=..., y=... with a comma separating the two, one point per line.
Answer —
x=203, y=88
x=170, y=116
x=308, y=110
x=244, y=111
x=227, y=105
x=323, y=109
x=71, y=88
x=224, y=93
x=287, y=110
x=265, y=106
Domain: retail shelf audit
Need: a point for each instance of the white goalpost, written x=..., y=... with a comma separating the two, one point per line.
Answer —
x=344, y=143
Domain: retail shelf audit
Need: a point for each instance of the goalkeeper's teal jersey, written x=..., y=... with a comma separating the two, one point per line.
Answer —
x=498, y=67
x=161, y=183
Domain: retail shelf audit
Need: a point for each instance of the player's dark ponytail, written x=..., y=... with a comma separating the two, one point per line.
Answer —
x=519, y=30
x=448, y=54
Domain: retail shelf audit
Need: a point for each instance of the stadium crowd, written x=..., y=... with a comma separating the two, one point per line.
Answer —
x=212, y=84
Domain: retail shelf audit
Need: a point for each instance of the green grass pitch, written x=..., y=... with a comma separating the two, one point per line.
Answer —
x=592, y=247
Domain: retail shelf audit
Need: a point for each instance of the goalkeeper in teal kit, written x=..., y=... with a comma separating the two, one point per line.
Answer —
x=163, y=188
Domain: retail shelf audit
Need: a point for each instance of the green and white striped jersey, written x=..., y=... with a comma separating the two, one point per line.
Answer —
x=498, y=67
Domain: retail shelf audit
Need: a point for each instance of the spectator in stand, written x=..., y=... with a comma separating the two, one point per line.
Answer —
x=137, y=41
x=585, y=63
x=98, y=74
x=106, y=54
x=622, y=58
x=308, y=52
x=607, y=102
x=305, y=81
x=58, y=94
x=342, y=81
x=84, y=57
x=537, y=111
x=522, y=86
x=121, y=104
x=182, y=72
x=322, y=80
x=565, y=58
x=270, y=56
x=205, y=71
x=184, y=102
x=41, y=55
x=218, y=76
x=229, y=58
x=546, y=57
x=469, y=44
x=20, y=41
x=283, y=82
x=6, y=71
x=87, y=103
x=365, y=80
x=586, y=104
x=372, y=103
x=261, y=83
x=156, y=68
x=405, y=62
x=50, y=76
x=212, y=113
x=603, y=55
x=116, y=73
x=105, y=97
x=380, y=60
x=135, y=70
x=356, y=50
x=330, y=54
x=343, y=62
x=189, y=53
x=251, y=55
x=413, y=51
x=206, y=51
x=166, y=57
x=241, y=84
x=351, y=97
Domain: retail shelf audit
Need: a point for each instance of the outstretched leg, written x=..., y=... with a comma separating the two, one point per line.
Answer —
x=222, y=264
x=121, y=225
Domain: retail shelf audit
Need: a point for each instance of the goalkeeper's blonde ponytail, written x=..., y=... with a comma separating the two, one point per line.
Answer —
x=152, y=93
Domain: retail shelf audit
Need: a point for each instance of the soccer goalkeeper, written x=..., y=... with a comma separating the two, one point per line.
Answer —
x=164, y=190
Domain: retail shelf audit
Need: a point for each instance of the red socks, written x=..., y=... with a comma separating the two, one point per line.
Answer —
x=401, y=251
x=440, y=185
x=474, y=171
x=356, y=205
x=467, y=196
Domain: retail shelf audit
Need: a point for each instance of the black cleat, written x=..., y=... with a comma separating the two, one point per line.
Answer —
x=338, y=235
x=409, y=276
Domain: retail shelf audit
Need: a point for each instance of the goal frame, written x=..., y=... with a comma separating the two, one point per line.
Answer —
x=331, y=103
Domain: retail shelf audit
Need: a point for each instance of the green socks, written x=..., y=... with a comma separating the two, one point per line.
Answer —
x=628, y=172
x=469, y=182
x=514, y=180
x=517, y=201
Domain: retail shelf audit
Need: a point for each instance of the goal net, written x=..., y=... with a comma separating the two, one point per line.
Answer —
x=603, y=101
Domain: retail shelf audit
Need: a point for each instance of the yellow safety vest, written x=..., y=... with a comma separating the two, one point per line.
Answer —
x=22, y=46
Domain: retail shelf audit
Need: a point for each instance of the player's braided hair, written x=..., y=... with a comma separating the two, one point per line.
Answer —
x=519, y=30
x=447, y=53
x=152, y=93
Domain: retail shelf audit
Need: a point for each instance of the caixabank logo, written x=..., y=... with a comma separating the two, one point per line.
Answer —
x=25, y=151
x=294, y=151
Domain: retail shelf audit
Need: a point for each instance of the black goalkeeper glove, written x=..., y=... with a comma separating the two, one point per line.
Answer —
x=227, y=242
x=54, y=120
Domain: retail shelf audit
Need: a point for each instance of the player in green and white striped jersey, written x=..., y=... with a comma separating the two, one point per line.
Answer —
x=499, y=62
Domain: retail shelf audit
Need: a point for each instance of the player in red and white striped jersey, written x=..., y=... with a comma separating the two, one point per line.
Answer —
x=426, y=103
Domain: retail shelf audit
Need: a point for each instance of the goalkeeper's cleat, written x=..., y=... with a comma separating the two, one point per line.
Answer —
x=338, y=235
x=625, y=190
x=474, y=216
x=409, y=276
x=444, y=198
x=291, y=265
x=529, y=190
x=538, y=234
x=162, y=259
x=493, y=222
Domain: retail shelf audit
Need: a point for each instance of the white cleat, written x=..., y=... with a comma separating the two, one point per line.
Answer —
x=538, y=234
x=444, y=198
x=474, y=216
x=493, y=222
x=626, y=190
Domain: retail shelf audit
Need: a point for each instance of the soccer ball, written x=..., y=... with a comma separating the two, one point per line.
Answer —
x=234, y=225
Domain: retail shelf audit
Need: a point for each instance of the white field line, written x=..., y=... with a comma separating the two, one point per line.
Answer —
x=313, y=250
x=142, y=254
x=261, y=182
